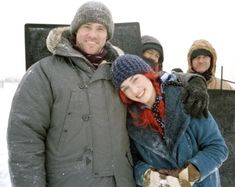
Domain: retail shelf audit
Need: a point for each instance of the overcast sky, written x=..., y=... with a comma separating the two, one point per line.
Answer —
x=176, y=23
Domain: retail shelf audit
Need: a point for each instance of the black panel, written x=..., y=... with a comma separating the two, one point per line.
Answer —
x=222, y=107
x=126, y=36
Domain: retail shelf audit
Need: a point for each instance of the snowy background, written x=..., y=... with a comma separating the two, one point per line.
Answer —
x=6, y=94
x=175, y=23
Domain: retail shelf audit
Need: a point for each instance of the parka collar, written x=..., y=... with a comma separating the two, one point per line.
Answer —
x=58, y=42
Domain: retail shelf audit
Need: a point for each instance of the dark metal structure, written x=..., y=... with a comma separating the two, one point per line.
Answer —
x=222, y=107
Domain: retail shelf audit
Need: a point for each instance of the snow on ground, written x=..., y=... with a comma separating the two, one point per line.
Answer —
x=6, y=94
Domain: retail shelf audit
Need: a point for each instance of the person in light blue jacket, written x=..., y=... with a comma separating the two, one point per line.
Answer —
x=169, y=147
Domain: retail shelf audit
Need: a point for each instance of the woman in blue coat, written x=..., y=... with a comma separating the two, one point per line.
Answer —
x=169, y=147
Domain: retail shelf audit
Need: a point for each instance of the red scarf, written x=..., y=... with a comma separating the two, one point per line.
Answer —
x=95, y=59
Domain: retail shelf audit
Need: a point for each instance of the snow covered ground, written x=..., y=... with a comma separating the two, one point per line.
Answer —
x=6, y=94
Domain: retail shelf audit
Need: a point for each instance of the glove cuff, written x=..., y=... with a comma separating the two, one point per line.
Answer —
x=190, y=173
x=147, y=177
x=153, y=178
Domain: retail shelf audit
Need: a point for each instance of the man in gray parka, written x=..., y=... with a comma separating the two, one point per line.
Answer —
x=67, y=126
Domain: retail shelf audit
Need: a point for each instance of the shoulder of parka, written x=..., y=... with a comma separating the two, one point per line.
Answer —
x=216, y=83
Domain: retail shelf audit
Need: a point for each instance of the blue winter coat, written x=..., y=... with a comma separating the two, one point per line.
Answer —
x=187, y=139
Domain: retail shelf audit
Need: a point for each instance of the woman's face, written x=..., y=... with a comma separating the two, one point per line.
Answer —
x=140, y=89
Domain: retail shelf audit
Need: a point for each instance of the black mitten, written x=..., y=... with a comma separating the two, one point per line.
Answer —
x=196, y=98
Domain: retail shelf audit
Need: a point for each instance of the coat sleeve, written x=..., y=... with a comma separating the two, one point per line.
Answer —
x=140, y=167
x=28, y=123
x=212, y=148
x=186, y=77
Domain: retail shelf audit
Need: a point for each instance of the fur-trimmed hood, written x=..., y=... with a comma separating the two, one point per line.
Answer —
x=202, y=44
x=54, y=38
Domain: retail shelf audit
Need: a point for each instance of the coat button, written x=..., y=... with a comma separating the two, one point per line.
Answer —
x=82, y=86
x=86, y=117
x=88, y=149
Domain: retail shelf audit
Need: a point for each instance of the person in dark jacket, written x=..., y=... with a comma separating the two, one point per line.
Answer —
x=153, y=51
x=153, y=54
x=67, y=125
x=169, y=147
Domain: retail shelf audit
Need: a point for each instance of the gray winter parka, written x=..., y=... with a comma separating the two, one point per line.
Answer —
x=67, y=126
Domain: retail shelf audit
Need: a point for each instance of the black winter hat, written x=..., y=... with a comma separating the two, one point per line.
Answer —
x=149, y=42
x=199, y=52
x=95, y=12
x=128, y=65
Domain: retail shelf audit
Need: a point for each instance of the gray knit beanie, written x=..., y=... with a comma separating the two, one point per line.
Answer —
x=127, y=65
x=95, y=12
